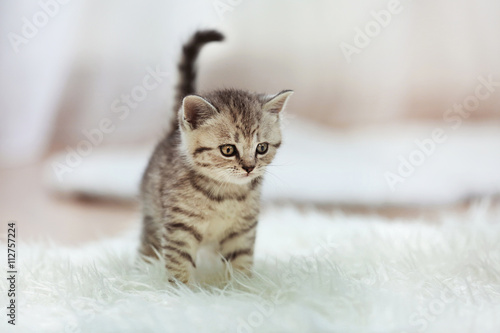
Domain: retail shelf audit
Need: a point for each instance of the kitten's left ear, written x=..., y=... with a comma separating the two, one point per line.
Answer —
x=196, y=110
x=278, y=102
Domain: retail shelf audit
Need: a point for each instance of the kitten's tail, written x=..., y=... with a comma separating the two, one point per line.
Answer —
x=187, y=65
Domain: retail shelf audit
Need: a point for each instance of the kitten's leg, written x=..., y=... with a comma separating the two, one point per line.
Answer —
x=238, y=247
x=179, y=247
x=150, y=242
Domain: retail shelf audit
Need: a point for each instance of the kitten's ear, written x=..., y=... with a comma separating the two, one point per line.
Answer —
x=195, y=110
x=278, y=102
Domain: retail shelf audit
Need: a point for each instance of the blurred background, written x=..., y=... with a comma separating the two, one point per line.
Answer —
x=396, y=107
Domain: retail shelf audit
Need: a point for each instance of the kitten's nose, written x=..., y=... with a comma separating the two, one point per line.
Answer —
x=248, y=169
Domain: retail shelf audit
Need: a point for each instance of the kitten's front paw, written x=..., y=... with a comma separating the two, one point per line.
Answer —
x=182, y=278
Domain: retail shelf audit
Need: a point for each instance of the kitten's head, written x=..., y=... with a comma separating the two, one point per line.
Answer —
x=231, y=135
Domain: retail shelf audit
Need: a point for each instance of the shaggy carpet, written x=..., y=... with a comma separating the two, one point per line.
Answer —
x=314, y=272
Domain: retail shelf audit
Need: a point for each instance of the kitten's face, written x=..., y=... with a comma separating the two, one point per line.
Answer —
x=233, y=137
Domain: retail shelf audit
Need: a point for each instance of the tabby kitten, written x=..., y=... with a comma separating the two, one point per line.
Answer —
x=202, y=185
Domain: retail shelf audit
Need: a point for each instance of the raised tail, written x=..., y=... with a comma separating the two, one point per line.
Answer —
x=187, y=66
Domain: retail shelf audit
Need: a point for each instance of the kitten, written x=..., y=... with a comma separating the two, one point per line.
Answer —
x=202, y=185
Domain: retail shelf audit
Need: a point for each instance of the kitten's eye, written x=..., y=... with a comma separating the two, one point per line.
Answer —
x=228, y=150
x=262, y=148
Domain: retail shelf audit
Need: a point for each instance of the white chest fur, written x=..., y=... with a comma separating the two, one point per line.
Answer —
x=223, y=217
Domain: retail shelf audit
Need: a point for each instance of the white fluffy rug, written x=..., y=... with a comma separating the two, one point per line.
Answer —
x=314, y=273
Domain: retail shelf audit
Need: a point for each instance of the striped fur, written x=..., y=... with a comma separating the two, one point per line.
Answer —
x=192, y=194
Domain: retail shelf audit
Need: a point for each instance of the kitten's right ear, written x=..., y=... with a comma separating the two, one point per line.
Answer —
x=196, y=110
x=278, y=102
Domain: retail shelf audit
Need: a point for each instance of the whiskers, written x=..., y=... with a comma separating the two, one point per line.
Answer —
x=267, y=172
x=280, y=165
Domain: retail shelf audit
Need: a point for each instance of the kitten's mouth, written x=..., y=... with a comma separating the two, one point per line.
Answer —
x=246, y=176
